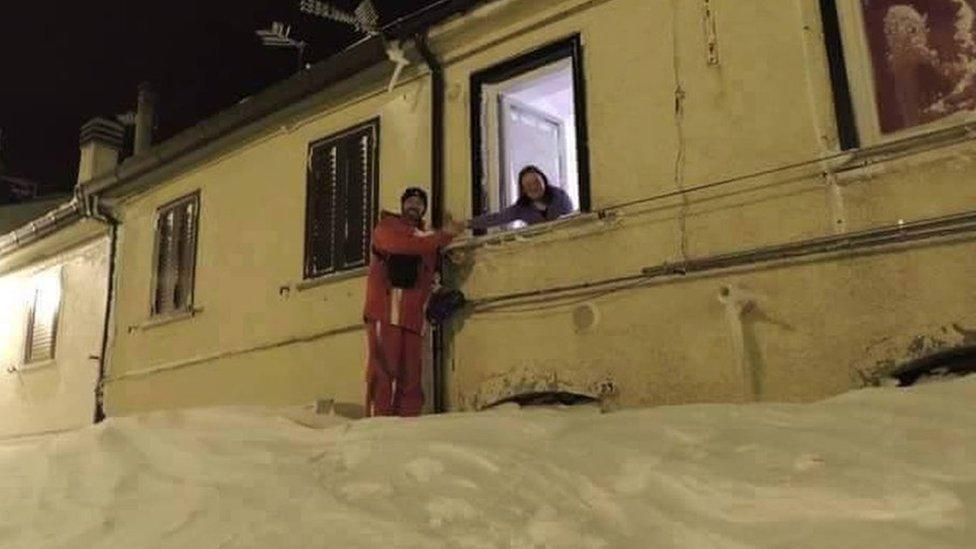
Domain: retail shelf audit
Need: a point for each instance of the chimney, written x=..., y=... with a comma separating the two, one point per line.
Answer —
x=145, y=118
x=101, y=141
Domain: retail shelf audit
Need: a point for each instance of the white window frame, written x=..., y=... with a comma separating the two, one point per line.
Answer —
x=860, y=74
x=493, y=154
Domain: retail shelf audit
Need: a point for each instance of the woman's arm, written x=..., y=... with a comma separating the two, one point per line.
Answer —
x=484, y=221
x=561, y=204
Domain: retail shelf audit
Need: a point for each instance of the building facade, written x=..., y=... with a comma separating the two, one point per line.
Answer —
x=770, y=206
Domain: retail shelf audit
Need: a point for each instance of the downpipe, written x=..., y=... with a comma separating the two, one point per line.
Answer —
x=92, y=210
x=437, y=199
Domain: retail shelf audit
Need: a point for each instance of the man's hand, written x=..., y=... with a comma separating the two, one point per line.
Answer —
x=455, y=227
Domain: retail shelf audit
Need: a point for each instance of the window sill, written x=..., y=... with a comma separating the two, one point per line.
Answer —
x=32, y=367
x=162, y=320
x=919, y=142
x=523, y=233
x=310, y=283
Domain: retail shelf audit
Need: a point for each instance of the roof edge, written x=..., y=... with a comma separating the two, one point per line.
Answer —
x=299, y=86
x=41, y=227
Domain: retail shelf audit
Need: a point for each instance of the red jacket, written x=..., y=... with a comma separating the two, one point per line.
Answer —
x=403, y=307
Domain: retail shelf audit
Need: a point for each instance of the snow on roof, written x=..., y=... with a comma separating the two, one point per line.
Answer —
x=14, y=216
x=884, y=467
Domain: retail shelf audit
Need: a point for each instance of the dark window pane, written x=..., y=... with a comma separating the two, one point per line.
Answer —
x=341, y=194
x=165, y=265
x=176, y=230
x=187, y=252
x=321, y=213
x=357, y=199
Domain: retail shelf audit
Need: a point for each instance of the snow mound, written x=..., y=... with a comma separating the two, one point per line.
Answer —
x=883, y=467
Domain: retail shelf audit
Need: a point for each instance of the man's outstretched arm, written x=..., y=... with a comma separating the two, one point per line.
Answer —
x=410, y=241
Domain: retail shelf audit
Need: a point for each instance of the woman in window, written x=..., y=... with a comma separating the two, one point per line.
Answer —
x=538, y=202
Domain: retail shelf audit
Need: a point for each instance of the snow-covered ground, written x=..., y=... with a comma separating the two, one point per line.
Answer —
x=874, y=468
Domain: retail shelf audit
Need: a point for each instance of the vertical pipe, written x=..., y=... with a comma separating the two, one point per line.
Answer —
x=436, y=195
x=436, y=130
x=92, y=210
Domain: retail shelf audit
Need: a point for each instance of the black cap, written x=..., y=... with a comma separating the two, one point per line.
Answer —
x=414, y=191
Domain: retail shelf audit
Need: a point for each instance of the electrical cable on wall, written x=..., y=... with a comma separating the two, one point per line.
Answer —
x=968, y=130
x=549, y=303
x=494, y=304
x=901, y=233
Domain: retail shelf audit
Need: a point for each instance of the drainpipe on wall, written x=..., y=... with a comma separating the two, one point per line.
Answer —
x=436, y=194
x=100, y=144
x=436, y=130
x=97, y=213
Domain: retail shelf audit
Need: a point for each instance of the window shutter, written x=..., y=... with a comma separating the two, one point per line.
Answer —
x=166, y=266
x=341, y=198
x=42, y=329
x=186, y=247
x=176, y=249
x=321, y=210
x=358, y=195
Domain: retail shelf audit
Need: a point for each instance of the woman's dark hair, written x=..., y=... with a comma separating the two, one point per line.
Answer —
x=523, y=199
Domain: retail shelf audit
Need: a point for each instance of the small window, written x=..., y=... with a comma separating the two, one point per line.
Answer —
x=42, y=322
x=341, y=200
x=914, y=62
x=530, y=111
x=176, y=252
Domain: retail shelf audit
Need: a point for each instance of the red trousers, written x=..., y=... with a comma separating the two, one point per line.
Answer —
x=394, y=362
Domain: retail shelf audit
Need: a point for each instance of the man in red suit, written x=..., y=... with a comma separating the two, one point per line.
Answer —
x=401, y=275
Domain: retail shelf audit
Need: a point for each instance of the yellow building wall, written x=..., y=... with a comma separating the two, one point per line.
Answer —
x=816, y=327
x=241, y=347
x=60, y=393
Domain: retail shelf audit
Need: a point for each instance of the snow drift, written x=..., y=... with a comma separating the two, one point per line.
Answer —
x=874, y=468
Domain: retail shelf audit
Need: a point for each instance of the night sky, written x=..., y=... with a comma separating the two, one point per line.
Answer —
x=62, y=63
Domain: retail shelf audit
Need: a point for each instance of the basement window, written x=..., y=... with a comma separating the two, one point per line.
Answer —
x=341, y=200
x=175, y=255
x=42, y=320
x=530, y=111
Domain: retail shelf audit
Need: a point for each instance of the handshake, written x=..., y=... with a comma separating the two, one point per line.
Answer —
x=454, y=227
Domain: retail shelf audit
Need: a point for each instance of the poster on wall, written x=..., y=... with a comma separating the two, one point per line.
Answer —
x=923, y=53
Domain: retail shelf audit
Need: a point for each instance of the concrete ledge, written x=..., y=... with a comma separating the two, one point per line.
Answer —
x=162, y=320
x=310, y=283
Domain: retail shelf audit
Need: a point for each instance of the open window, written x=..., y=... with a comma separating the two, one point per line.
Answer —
x=912, y=64
x=530, y=111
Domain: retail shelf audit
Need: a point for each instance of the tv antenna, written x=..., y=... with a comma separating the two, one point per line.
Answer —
x=364, y=19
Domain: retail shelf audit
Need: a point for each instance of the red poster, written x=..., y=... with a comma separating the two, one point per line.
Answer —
x=923, y=54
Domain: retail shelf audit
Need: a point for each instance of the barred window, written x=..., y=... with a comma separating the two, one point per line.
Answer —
x=341, y=200
x=176, y=250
